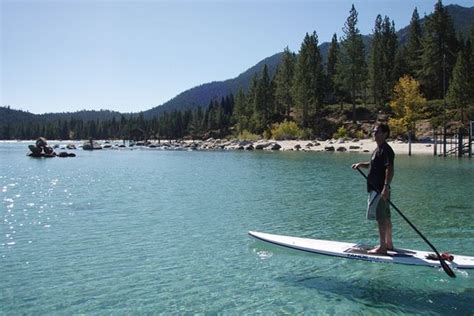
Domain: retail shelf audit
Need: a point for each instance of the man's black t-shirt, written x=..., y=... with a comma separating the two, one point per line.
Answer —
x=382, y=157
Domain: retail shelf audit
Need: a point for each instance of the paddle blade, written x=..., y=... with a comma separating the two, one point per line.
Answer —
x=446, y=268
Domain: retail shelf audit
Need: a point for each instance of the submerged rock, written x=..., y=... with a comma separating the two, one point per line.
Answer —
x=64, y=154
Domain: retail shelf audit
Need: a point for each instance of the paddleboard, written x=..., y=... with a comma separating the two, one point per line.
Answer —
x=360, y=251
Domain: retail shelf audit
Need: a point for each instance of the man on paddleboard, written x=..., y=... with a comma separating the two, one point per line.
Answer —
x=380, y=175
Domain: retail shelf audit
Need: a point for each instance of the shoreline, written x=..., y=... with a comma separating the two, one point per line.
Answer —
x=363, y=145
x=331, y=145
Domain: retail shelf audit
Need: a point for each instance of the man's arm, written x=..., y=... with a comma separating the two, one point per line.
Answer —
x=361, y=165
x=388, y=179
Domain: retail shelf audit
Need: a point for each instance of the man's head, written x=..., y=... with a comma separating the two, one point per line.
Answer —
x=381, y=132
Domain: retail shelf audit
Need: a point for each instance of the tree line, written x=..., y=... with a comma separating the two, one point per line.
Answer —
x=303, y=87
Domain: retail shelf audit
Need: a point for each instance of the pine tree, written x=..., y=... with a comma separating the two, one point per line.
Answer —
x=251, y=96
x=241, y=112
x=470, y=43
x=414, y=45
x=376, y=74
x=333, y=56
x=382, y=60
x=308, y=89
x=401, y=62
x=283, y=84
x=439, y=53
x=459, y=94
x=390, y=45
x=351, y=67
x=263, y=102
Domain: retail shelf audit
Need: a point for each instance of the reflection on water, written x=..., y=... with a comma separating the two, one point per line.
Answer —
x=388, y=293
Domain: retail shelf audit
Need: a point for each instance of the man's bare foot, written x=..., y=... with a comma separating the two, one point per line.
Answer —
x=378, y=251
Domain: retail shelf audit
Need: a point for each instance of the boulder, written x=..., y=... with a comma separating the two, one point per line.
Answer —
x=341, y=149
x=297, y=147
x=245, y=143
x=329, y=148
x=35, y=150
x=275, y=146
x=41, y=142
x=260, y=146
x=64, y=154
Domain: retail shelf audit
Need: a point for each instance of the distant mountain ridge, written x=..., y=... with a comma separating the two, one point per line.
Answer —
x=8, y=115
x=201, y=95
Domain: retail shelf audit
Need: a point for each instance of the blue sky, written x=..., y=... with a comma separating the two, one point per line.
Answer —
x=130, y=56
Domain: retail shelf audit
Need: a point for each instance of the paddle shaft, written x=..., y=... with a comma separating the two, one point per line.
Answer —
x=445, y=266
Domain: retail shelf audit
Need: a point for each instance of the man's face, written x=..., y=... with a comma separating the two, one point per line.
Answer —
x=379, y=136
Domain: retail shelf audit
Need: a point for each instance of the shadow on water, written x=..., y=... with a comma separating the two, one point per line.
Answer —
x=387, y=294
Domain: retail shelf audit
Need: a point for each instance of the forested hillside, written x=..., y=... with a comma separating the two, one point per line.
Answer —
x=310, y=92
x=203, y=94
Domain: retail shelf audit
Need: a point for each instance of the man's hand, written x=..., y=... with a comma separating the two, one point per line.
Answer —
x=360, y=165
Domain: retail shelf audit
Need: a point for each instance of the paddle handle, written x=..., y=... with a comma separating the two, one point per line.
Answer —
x=445, y=266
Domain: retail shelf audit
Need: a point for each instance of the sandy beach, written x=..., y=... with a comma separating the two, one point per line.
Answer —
x=364, y=145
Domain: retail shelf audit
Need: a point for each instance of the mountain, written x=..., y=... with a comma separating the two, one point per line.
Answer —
x=8, y=115
x=462, y=19
x=203, y=94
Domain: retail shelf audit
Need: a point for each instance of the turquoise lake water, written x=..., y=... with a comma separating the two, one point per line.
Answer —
x=153, y=231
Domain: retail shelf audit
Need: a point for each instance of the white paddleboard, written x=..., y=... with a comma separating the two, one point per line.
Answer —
x=359, y=251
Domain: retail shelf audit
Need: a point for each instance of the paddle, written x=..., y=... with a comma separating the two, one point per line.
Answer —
x=445, y=266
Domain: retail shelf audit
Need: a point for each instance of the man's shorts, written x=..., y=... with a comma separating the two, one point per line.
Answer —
x=377, y=207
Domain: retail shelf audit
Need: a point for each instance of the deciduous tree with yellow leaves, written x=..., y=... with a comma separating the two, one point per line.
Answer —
x=407, y=104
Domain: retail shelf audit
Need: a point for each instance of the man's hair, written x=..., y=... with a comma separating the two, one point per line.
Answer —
x=384, y=128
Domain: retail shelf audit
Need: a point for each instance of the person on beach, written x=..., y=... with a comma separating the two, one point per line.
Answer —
x=380, y=175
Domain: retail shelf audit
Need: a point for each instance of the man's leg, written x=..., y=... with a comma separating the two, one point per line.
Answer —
x=385, y=228
x=382, y=248
x=388, y=233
